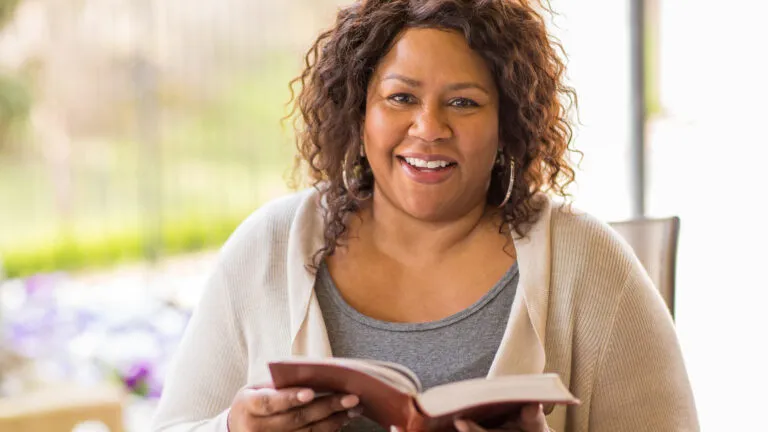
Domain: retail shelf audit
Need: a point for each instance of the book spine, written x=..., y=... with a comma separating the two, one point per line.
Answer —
x=417, y=420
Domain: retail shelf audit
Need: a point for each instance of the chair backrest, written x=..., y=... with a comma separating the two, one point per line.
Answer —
x=655, y=244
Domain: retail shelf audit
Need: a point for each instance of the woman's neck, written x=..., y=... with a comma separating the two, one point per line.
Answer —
x=403, y=237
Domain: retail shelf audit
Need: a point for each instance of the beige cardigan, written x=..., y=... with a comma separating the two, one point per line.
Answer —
x=584, y=308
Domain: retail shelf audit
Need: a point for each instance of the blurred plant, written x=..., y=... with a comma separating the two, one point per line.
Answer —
x=68, y=331
x=7, y=9
x=178, y=236
x=15, y=102
x=15, y=98
x=140, y=379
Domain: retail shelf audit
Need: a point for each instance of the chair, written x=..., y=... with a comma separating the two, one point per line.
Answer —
x=654, y=241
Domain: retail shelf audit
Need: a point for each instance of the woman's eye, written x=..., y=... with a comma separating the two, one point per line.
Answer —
x=401, y=98
x=463, y=103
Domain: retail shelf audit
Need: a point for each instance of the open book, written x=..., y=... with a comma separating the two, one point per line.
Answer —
x=391, y=394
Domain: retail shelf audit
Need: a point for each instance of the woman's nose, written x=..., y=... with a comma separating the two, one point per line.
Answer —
x=430, y=125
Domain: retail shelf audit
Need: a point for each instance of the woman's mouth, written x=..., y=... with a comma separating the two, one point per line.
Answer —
x=427, y=170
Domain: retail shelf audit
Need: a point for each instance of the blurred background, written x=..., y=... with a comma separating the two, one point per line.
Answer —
x=136, y=134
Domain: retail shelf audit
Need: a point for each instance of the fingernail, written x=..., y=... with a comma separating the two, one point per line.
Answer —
x=355, y=412
x=305, y=395
x=349, y=401
x=461, y=425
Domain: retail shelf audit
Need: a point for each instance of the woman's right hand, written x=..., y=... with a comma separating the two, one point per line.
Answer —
x=288, y=410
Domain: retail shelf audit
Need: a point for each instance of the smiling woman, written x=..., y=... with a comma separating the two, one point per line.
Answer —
x=432, y=130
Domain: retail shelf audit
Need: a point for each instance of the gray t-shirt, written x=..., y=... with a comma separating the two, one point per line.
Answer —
x=455, y=348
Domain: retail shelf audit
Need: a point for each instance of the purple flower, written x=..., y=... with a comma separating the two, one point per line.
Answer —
x=41, y=286
x=137, y=377
x=141, y=379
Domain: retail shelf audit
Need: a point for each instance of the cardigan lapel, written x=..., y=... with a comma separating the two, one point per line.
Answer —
x=312, y=338
x=309, y=337
x=522, y=347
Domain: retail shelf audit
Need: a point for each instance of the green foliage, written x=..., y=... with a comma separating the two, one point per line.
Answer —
x=653, y=105
x=7, y=9
x=15, y=100
x=69, y=253
x=15, y=103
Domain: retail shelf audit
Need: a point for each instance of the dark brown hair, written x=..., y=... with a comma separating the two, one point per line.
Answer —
x=512, y=38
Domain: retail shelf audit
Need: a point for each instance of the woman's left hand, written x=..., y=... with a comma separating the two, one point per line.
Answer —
x=531, y=419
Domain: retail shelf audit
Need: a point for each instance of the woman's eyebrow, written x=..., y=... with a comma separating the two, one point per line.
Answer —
x=416, y=83
x=409, y=81
x=466, y=85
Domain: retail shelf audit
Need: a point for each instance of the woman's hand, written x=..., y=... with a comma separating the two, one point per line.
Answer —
x=287, y=410
x=531, y=419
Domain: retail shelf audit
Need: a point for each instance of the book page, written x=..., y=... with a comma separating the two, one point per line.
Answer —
x=453, y=397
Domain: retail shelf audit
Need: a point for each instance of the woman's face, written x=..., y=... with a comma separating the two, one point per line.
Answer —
x=431, y=125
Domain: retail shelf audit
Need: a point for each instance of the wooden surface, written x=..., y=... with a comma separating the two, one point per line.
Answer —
x=61, y=407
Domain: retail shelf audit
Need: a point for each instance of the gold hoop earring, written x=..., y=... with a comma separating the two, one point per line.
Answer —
x=511, y=183
x=358, y=171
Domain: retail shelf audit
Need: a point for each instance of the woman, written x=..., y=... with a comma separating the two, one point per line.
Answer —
x=431, y=129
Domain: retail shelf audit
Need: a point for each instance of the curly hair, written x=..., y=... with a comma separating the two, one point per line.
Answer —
x=534, y=102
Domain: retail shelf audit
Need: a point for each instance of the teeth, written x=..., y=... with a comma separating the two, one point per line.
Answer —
x=421, y=163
